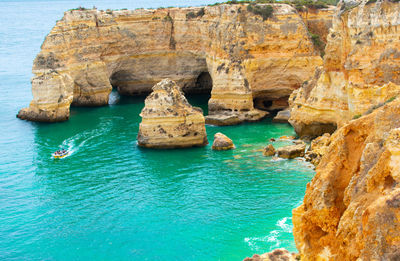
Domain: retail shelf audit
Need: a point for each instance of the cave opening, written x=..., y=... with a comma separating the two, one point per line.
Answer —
x=271, y=104
x=199, y=91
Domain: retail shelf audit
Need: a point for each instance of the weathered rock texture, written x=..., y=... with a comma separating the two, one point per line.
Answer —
x=318, y=148
x=169, y=121
x=222, y=142
x=361, y=68
x=226, y=47
x=292, y=151
x=318, y=22
x=269, y=150
x=351, y=210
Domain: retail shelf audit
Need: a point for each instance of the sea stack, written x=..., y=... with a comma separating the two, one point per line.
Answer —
x=169, y=121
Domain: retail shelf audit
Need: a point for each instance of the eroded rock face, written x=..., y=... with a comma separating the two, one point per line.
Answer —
x=361, y=68
x=169, y=121
x=351, y=208
x=222, y=142
x=282, y=116
x=318, y=148
x=225, y=47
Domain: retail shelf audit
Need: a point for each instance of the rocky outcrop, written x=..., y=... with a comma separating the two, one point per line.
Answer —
x=169, y=121
x=282, y=116
x=279, y=254
x=222, y=142
x=318, y=148
x=292, y=151
x=351, y=208
x=239, y=54
x=269, y=151
x=361, y=68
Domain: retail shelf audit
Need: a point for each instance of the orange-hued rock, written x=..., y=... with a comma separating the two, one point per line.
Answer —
x=361, y=68
x=222, y=142
x=351, y=210
x=226, y=47
x=169, y=121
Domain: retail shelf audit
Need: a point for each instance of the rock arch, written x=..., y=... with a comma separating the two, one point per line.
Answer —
x=88, y=51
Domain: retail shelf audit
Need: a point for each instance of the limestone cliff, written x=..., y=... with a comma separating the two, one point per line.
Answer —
x=228, y=48
x=169, y=121
x=361, y=68
x=351, y=210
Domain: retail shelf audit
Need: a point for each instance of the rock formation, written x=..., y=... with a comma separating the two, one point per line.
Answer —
x=361, y=68
x=279, y=254
x=239, y=54
x=282, y=116
x=169, y=121
x=318, y=148
x=222, y=142
x=351, y=210
x=269, y=150
x=292, y=151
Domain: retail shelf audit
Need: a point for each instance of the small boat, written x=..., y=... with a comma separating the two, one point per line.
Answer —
x=59, y=154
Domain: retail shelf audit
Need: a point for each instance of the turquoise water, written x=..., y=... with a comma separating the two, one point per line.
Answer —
x=110, y=200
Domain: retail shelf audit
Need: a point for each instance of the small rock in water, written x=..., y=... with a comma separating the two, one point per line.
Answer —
x=222, y=142
x=279, y=254
x=272, y=140
x=287, y=138
x=269, y=151
x=292, y=151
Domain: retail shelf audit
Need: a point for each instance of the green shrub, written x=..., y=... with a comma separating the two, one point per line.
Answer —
x=390, y=100
x=80, y=8
x=265, y=11
x=167, y=18
x=192, y=15
x=371, y=2
x=357, y=116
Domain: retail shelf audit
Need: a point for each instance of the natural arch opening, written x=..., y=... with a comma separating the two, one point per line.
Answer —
x=198, y=92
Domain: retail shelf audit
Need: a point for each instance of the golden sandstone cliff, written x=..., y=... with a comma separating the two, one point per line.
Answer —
x=351, y=210
x=245, y=59
x=361, y=68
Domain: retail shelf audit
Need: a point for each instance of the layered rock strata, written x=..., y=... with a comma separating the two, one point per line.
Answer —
x=225, y=49
x=169, y=121
x=351, y=210
x=361, y=68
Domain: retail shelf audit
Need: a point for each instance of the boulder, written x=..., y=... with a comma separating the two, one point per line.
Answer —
x=282, y=116
x=222, y=142
x=279, y=254
x=292, y=151
x=269, y=151
x=169, y=121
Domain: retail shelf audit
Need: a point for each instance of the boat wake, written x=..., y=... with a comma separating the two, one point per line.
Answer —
x=273, y=240
x=76, y=142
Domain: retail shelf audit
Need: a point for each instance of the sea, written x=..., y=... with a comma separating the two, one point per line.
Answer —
x=111, y=200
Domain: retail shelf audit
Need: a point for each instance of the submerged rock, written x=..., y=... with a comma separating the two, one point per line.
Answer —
x=222, y=142
x=269, y=151
x=169, y=121
x=279, y=254
x=292, y=151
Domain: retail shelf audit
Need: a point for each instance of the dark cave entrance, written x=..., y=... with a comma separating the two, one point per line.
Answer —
x=271, y=104
x=199, y=92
